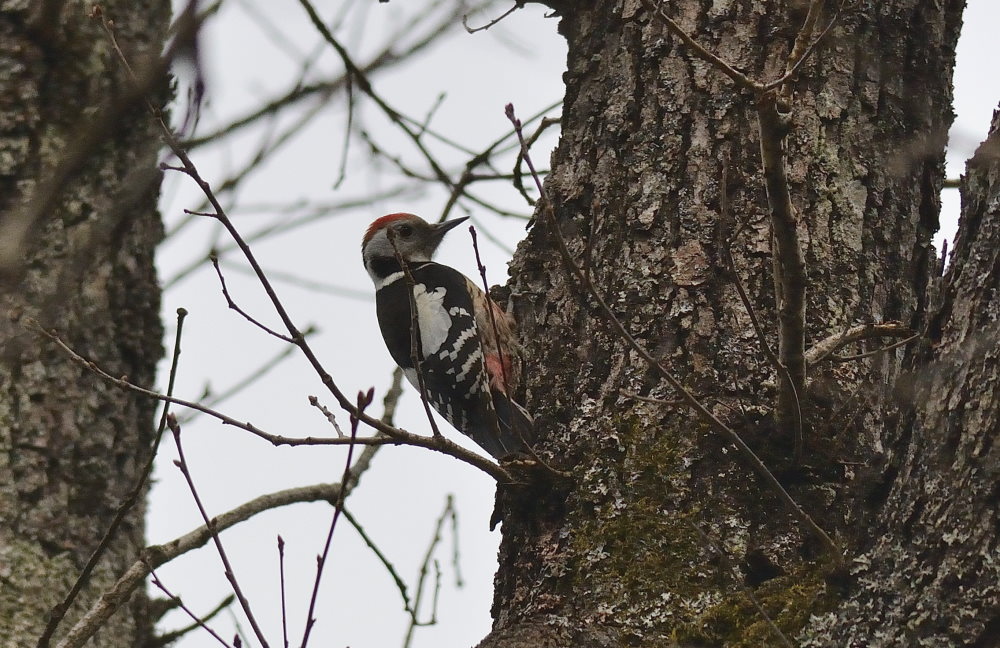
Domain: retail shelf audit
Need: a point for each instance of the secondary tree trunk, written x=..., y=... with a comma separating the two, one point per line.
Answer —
x=72, y=446
x=612, y=556
x=933, y=577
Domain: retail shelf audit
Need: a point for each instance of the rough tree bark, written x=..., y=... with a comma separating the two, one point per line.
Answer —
x=70, y=445
x=933, y=576
x=612, y=556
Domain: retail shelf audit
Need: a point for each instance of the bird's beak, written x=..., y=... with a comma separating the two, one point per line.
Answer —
x=443, y=228
x=438, y=231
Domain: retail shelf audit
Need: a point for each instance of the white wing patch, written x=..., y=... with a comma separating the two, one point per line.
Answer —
x=432, y=317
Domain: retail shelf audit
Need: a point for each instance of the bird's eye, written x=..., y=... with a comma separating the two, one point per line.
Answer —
x=405, y=231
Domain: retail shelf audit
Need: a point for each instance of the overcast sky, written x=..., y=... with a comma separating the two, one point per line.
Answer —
x=521, y=60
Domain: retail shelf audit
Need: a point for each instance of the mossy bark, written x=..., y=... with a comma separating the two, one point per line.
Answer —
x=611, y=557
x=71, y=446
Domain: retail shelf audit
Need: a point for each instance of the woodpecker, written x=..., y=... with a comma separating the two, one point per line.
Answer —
x=468, y=362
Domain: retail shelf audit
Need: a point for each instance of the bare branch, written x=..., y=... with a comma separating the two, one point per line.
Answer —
x=786, y=381
x=389, y=56
x=198, y=621
x=798, y=57
x=389, y=567
x=182, y=464
x=449, y=509
x=473, y=30
x=364, y=400
x=387, y=433
x=789, y=264
x=868, y=354
x=157, y=555
x=826, y=347
x=330, y=417
x=281, y=583
x=234, y=306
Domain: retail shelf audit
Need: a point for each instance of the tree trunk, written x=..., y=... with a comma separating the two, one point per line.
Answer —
x=932, y=578
x=72, y=446
x=615, y=555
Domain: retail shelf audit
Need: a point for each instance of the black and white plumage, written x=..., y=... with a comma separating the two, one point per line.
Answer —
x=467, y=361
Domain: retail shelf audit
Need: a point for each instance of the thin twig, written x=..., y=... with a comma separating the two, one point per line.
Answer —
x=330, y=417
x=424, y=566
x=342, y=173
x=365, y=85
x=153, y=556
x=281, y=584
x=415, y=339
x=389, y=56
x=387, y=434
x=410, y=127
x=157, y=555
x=518, y=174
x=389, y=567
x=789, y=263
x=776, y=363
x=490, y=305
x=689, y=398
x=794, y=67
x=234, y=306
x=890, y=347
x=364, y=400
x=472, y=30
x=826, y=347
x=194, y=617
x=455, y=553
x=168, y=638
x=182, y=464
x=493, y=319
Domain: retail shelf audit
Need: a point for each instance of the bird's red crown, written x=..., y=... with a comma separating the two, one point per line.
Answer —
x=381, y=222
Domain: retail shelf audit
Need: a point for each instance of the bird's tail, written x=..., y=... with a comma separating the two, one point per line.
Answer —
x=515, y=425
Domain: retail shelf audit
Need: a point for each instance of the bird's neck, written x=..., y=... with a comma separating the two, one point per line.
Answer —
x=386, y=270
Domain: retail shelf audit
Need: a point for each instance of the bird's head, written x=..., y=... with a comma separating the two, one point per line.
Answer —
x=414, y=238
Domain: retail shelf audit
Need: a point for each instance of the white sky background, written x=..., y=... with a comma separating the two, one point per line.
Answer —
x=399, y=499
